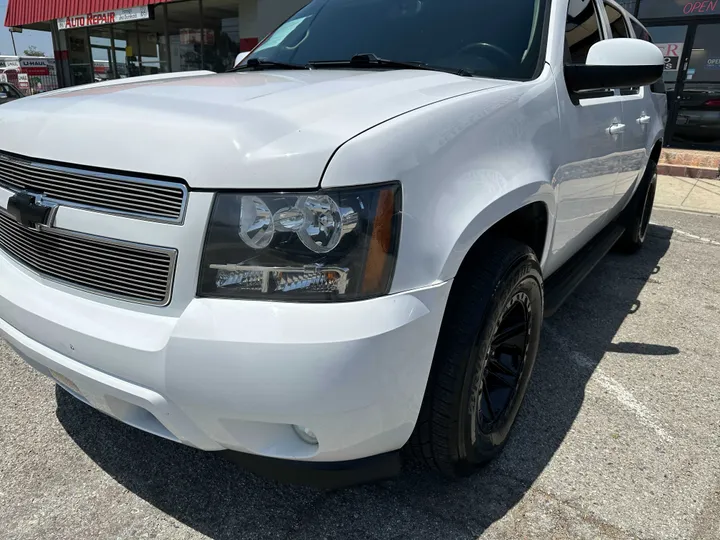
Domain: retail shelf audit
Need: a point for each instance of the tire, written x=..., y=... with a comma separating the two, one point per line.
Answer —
x=638, y=212
x=456, y=432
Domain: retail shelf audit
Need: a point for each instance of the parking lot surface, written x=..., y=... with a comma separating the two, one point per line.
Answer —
x=619, y=437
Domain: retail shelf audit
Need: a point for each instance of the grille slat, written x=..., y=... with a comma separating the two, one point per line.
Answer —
x=36, y=180
x=77, y=178
x=137, y=273
x=88, y=197
x=130, y=289
x=117, y=281
x=111, y=201
x=111, y=273
x=120, y=253
x=158, y=200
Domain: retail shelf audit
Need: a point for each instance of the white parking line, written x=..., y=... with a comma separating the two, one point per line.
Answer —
x=612, y=386
x=694, y=237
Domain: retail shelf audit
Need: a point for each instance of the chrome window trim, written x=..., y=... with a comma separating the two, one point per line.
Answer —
x=94, y=175
x=170, y=252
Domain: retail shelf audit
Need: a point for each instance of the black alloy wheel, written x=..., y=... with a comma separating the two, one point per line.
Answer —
x=483, y=360
x=505, y=363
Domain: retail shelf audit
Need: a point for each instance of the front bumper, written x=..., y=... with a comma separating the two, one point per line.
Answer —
x=235, y=375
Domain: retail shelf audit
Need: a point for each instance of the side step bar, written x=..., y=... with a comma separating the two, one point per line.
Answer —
x=563, y=282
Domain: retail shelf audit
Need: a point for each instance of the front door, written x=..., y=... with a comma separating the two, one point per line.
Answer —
x=593, y=122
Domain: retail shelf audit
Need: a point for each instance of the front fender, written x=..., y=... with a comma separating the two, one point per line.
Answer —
x=464, y=164
x=495, y=212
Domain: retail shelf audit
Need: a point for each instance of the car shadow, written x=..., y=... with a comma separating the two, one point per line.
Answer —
x=222, y=501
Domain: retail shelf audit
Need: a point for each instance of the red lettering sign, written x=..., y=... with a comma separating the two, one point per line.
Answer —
x=700, y=7
x=36, y=71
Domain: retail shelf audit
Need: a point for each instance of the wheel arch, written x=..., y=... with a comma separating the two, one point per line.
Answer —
x=656, y=151
x=530, y=222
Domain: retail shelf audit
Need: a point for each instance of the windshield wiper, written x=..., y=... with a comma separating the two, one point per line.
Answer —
x=259, y=64
x=372, y=60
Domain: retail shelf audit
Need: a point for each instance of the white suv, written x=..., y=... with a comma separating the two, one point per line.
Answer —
x=342, y=248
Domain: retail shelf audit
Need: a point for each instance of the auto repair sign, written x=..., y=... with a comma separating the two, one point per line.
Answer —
x=105, y=17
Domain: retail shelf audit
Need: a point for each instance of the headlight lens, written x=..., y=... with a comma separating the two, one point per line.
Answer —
x=320, y=247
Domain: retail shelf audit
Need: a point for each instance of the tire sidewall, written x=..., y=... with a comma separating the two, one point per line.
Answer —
x=477, y=447
x=637, y=235
x=648, y=200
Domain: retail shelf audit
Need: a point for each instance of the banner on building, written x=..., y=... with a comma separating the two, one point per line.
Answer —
x=105, y=17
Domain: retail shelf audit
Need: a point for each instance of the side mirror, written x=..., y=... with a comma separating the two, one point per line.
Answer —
x=3, y=95
x=616, y=63
x=239, y=58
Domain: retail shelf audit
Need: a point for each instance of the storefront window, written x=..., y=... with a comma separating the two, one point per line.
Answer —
x=662, y=9
x=102, y=53
x=184, y=31
x=181, y=35
x=81, y=68
x=705, y=56
x=222, y=34
x=152, y=44
x=126, y=47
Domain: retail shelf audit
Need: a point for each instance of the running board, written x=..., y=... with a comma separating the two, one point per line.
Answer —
x=563, y=282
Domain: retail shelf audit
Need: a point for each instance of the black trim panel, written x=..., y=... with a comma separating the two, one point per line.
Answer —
x=581, y=77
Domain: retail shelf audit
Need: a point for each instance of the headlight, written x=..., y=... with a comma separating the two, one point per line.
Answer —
x=305, y=247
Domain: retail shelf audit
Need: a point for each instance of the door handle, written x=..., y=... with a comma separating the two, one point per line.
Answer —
x=644, y=119
x=616, y=129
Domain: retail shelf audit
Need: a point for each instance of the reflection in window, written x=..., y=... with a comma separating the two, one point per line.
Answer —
x=705, y=57
x=81, y=70
x=582, y=30
x=184, y=35
x=222, y=34
x=617, y=22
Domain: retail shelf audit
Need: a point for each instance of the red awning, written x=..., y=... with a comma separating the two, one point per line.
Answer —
x=21, y=12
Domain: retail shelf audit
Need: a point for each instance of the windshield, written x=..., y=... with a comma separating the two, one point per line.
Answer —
x=490, y=38
x=9, y=90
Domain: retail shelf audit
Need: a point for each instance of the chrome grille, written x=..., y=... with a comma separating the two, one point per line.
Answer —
x=122, y=270
x=156, y=200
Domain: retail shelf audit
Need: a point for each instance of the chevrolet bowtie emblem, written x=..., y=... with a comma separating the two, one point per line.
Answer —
x=30, y=210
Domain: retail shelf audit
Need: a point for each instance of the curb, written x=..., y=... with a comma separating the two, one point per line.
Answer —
x=687, y=210
x=685, y=171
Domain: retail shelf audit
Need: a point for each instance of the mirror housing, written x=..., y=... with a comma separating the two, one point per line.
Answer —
x=616, y=63
x=239, y=58
x=3, y=95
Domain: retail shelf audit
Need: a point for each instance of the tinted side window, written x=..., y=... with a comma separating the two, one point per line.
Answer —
x=640, y=31
x=582, y=30
x=617, y=22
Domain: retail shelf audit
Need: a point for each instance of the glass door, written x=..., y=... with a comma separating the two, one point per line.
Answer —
x=692, y=79
x=673, y=42
x=697, y=121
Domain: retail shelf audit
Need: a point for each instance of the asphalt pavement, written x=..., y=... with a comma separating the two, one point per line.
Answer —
x=619, y=437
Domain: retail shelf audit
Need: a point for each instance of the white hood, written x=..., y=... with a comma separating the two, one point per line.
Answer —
x=264, y=130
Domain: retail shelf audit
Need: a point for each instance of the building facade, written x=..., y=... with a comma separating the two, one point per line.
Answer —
x=97, y=40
